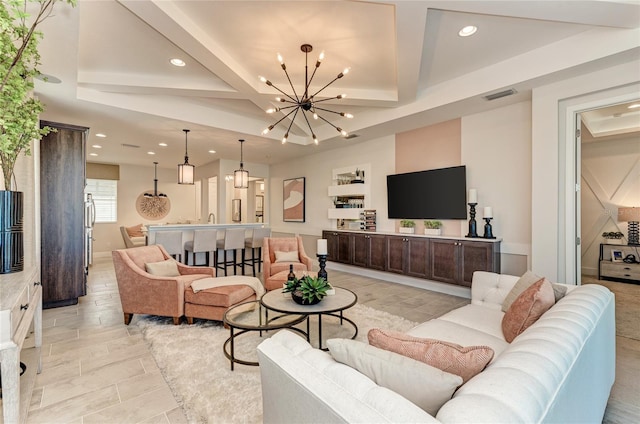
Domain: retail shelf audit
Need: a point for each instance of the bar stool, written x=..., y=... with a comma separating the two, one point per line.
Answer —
x=203, y=241
x=255, y=242
x=233, y=240
x=172, y=243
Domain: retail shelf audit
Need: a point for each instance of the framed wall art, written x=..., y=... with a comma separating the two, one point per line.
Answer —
x=293, y=200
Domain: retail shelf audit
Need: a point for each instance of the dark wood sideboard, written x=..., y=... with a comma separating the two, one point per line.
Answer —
x=447, y=260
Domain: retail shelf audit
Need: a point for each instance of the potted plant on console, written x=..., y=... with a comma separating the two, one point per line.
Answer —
x=432, y=228
x=19, y=114
x=407, y=226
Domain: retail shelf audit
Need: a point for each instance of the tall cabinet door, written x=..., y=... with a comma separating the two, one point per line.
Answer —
x=62, y=183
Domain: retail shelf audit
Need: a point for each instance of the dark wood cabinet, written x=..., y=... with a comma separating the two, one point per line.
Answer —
x=455, y=261
x=450, y=261
x=369, y=251
x=62, y=183
x=408, y=256
x=338, y=246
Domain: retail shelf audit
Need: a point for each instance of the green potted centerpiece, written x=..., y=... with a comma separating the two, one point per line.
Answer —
x=307, y=290
x=432, y=228
x=19, y=113
x=407, y=226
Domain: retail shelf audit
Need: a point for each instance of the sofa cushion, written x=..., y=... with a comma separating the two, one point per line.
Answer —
x=450, y=357
x=481, y=318
x=291, y=256
x=527, y=308
x=426, y=386
x=167, y=268
x=527, y=280
x=454, y=332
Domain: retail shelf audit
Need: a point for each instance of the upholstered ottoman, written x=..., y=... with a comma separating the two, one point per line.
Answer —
x=278, y=279
x=211, y=303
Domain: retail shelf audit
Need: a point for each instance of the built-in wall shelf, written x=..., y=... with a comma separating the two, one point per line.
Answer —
x=350, y=193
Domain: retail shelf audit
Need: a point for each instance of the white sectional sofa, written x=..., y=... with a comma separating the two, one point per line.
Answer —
x=559, y=370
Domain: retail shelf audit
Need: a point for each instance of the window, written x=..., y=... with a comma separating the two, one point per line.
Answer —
x=105, y=196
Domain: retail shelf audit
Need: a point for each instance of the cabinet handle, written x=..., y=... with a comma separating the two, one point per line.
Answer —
x=37, y=283
x=627, y=275
x=24, y=307
x=627, y=268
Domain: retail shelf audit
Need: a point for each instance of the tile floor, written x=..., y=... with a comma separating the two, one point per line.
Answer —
x=97, y=370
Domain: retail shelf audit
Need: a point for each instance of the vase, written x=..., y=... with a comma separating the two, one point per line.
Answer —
x=406, y=230
x=614, y=241
x=433, y=231
x=297, y=297
x=11, y=232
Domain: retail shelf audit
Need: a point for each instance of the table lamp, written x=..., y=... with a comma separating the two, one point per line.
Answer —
x=632, y=216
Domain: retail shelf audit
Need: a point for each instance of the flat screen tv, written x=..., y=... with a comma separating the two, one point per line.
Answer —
x=432, y=194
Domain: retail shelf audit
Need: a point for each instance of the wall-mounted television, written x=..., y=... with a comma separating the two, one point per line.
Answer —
x=432, y=194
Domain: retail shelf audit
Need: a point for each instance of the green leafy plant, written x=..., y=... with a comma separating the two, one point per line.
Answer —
x=434, y=225
x=407, y=223
x=613, y=235
x=311, y=289
x=19, y=59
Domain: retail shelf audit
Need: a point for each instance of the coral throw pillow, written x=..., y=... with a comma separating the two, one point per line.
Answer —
x=449, y=357
x=527, y=308
x=135, y=231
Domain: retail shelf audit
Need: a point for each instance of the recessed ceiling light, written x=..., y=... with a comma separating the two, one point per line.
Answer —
x=177, y=62
x=93, y=154
x=97, y=146
x=467, y=31
x=101, y=135
x=212, y=151
x=633, y=106
x=162, y=144
x=151, y=153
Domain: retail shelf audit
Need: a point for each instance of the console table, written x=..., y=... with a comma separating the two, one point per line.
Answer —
x=20, y=305
x=611, y=270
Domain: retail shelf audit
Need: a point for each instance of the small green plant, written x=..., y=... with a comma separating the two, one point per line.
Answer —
x=613, y=235
x=407, y=223
x=434, y=225
x=311, y=289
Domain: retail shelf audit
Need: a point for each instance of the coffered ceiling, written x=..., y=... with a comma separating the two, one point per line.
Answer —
x=409, y=67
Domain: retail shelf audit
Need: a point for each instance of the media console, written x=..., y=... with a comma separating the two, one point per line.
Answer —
x=446, y=259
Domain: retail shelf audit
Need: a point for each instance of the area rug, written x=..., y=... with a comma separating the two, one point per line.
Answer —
x=192, y=362
x=627, y=305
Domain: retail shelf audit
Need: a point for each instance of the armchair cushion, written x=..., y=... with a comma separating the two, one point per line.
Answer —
x=167, y=268
x=135, y=231
x=291, y=256
x=282, y=245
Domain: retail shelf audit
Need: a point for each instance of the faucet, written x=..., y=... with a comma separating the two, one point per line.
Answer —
x=212, y=218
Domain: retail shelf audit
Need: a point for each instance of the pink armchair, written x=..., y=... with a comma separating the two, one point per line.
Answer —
x=271, y=267
x=144, y=293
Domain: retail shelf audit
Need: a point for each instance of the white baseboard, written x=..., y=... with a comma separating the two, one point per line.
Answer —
x=403, y=279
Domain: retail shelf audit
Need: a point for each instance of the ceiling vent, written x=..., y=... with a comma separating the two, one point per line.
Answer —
x=350, y=136
x=131, y=146
x=500, y=94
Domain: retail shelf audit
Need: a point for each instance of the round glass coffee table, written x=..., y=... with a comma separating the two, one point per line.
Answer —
x=253, y=316
x=331, y=305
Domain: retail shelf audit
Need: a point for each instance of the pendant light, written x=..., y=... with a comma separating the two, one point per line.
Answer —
x=185, y=170
x=241, y=176
x=155, y=184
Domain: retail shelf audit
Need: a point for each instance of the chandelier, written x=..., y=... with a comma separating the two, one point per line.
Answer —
x=155, y=183
x=307, y=103
x=241, y=176
x=185, y=170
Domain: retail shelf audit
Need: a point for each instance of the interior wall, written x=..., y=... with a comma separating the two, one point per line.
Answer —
x=610, y=177
x=135, y=180
x=317, y=170
x=496, y=147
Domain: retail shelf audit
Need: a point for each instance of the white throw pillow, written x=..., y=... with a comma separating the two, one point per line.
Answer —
x=291, y=256
x=424, y=385
x=523, y=283
x=168, y=268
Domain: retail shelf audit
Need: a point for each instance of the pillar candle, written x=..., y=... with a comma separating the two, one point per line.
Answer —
x=473, y=196
x=322, y=247
x=488, y=212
